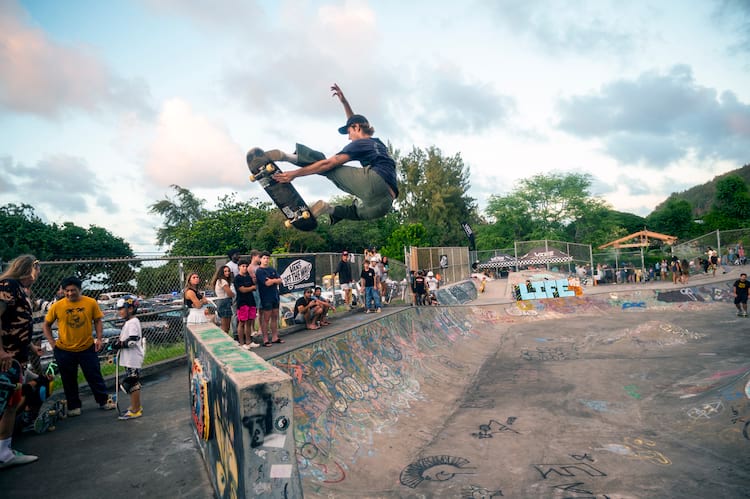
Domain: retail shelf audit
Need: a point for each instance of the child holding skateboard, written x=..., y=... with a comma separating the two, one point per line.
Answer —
x=375, y=184
x=130, y=345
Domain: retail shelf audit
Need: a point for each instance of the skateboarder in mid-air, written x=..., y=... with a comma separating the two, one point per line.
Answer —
x=374, y=183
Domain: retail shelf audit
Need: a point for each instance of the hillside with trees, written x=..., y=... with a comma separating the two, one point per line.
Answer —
x=701, y=197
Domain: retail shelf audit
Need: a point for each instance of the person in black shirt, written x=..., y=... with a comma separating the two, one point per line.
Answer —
x=369, y=282
x=246, y=306
x=307, y=311
x=740, y=295
x=375, y=183
x=419, y=288
x=344, y=271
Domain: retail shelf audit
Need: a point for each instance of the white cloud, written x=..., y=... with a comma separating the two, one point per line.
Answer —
x=66, y=184
x=659, y=118
x=42, y=77
x=192, y=151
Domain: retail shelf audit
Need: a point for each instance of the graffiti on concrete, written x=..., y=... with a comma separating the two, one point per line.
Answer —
x=478, y=492
x=358, y=383
x=435, y=469
x=538, y=290
x=494, y=427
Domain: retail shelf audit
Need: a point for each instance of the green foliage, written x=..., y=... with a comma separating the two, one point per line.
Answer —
x=433, y=192
x=551, y=206
x=179, y=215
x=702, y=197
x=404, y=236
x=675, y=218
x=731, y=208
x=24, y=232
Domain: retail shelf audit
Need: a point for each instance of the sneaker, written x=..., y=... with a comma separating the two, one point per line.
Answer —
x=74, y=412
x=333, y=220
x=129, y=414
x=321, y=208
x=256, y=159
x=17, y=458
x=253, y=345
x=367, y=311
x=378, y=310
x=107, y=406
x=744, y=314
x=245, y=346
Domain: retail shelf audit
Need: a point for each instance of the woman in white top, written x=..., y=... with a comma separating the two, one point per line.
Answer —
x=222, y=284
x=195, y=300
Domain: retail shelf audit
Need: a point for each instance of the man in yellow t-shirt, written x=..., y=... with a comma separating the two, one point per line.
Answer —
x=77, y=316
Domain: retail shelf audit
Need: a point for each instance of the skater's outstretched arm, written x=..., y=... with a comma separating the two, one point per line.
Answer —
x=338, y=93
x=318, y=167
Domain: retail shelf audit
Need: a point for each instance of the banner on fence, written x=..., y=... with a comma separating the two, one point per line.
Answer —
x=296, y=273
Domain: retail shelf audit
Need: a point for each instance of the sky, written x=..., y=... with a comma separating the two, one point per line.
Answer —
x=105, y=105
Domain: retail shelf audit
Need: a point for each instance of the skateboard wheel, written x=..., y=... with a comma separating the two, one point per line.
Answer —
x=269, y=168
x=288, y=224
x=52, y=428
x=252, y=178
x=305, y=214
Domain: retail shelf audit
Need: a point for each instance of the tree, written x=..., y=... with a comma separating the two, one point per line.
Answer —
x=233, y=224
x=433, y=192
x=404, y=236
x=731, y=206
x=674, y=218
x=24, y=232
x=543, y=207
x=179, y=215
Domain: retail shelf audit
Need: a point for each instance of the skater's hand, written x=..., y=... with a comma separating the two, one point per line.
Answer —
x=98, y=345
x=284, y=177
x=337, y=92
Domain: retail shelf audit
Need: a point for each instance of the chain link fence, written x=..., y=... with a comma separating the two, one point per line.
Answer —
x=730, y=244
x=159, y=283
x=452, y=264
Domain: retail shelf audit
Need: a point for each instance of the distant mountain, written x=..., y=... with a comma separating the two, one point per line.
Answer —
x=701, y=197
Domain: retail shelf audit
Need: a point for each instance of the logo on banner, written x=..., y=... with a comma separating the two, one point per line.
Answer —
x=298, y=274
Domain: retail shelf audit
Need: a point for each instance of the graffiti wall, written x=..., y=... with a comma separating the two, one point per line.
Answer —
x=242, y=417
x=358, y=383
x=457, y=294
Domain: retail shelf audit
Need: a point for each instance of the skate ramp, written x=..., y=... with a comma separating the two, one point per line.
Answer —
x=637, y=394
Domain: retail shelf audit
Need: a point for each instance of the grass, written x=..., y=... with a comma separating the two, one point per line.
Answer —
x=154, y=354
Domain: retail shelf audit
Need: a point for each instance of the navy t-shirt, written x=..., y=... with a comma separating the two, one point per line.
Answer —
x=373, y=153
x=268, y=294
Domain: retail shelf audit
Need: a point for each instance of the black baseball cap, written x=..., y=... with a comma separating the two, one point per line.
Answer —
x=353, y=119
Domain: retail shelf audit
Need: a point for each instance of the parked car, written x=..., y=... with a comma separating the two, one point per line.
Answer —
x=109, y=299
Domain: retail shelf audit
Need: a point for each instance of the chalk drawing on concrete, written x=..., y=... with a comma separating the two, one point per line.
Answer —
x=435, y=469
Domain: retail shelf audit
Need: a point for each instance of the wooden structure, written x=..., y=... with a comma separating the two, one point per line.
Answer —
x=640, y=240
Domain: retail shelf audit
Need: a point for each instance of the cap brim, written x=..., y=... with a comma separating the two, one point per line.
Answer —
x=343, y=130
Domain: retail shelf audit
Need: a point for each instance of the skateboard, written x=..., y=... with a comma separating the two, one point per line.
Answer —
x=285, y=196
x=10, y=381
x=49, y=414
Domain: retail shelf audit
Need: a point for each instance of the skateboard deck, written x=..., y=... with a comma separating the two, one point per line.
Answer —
x=285, y=196
x=49, y=414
